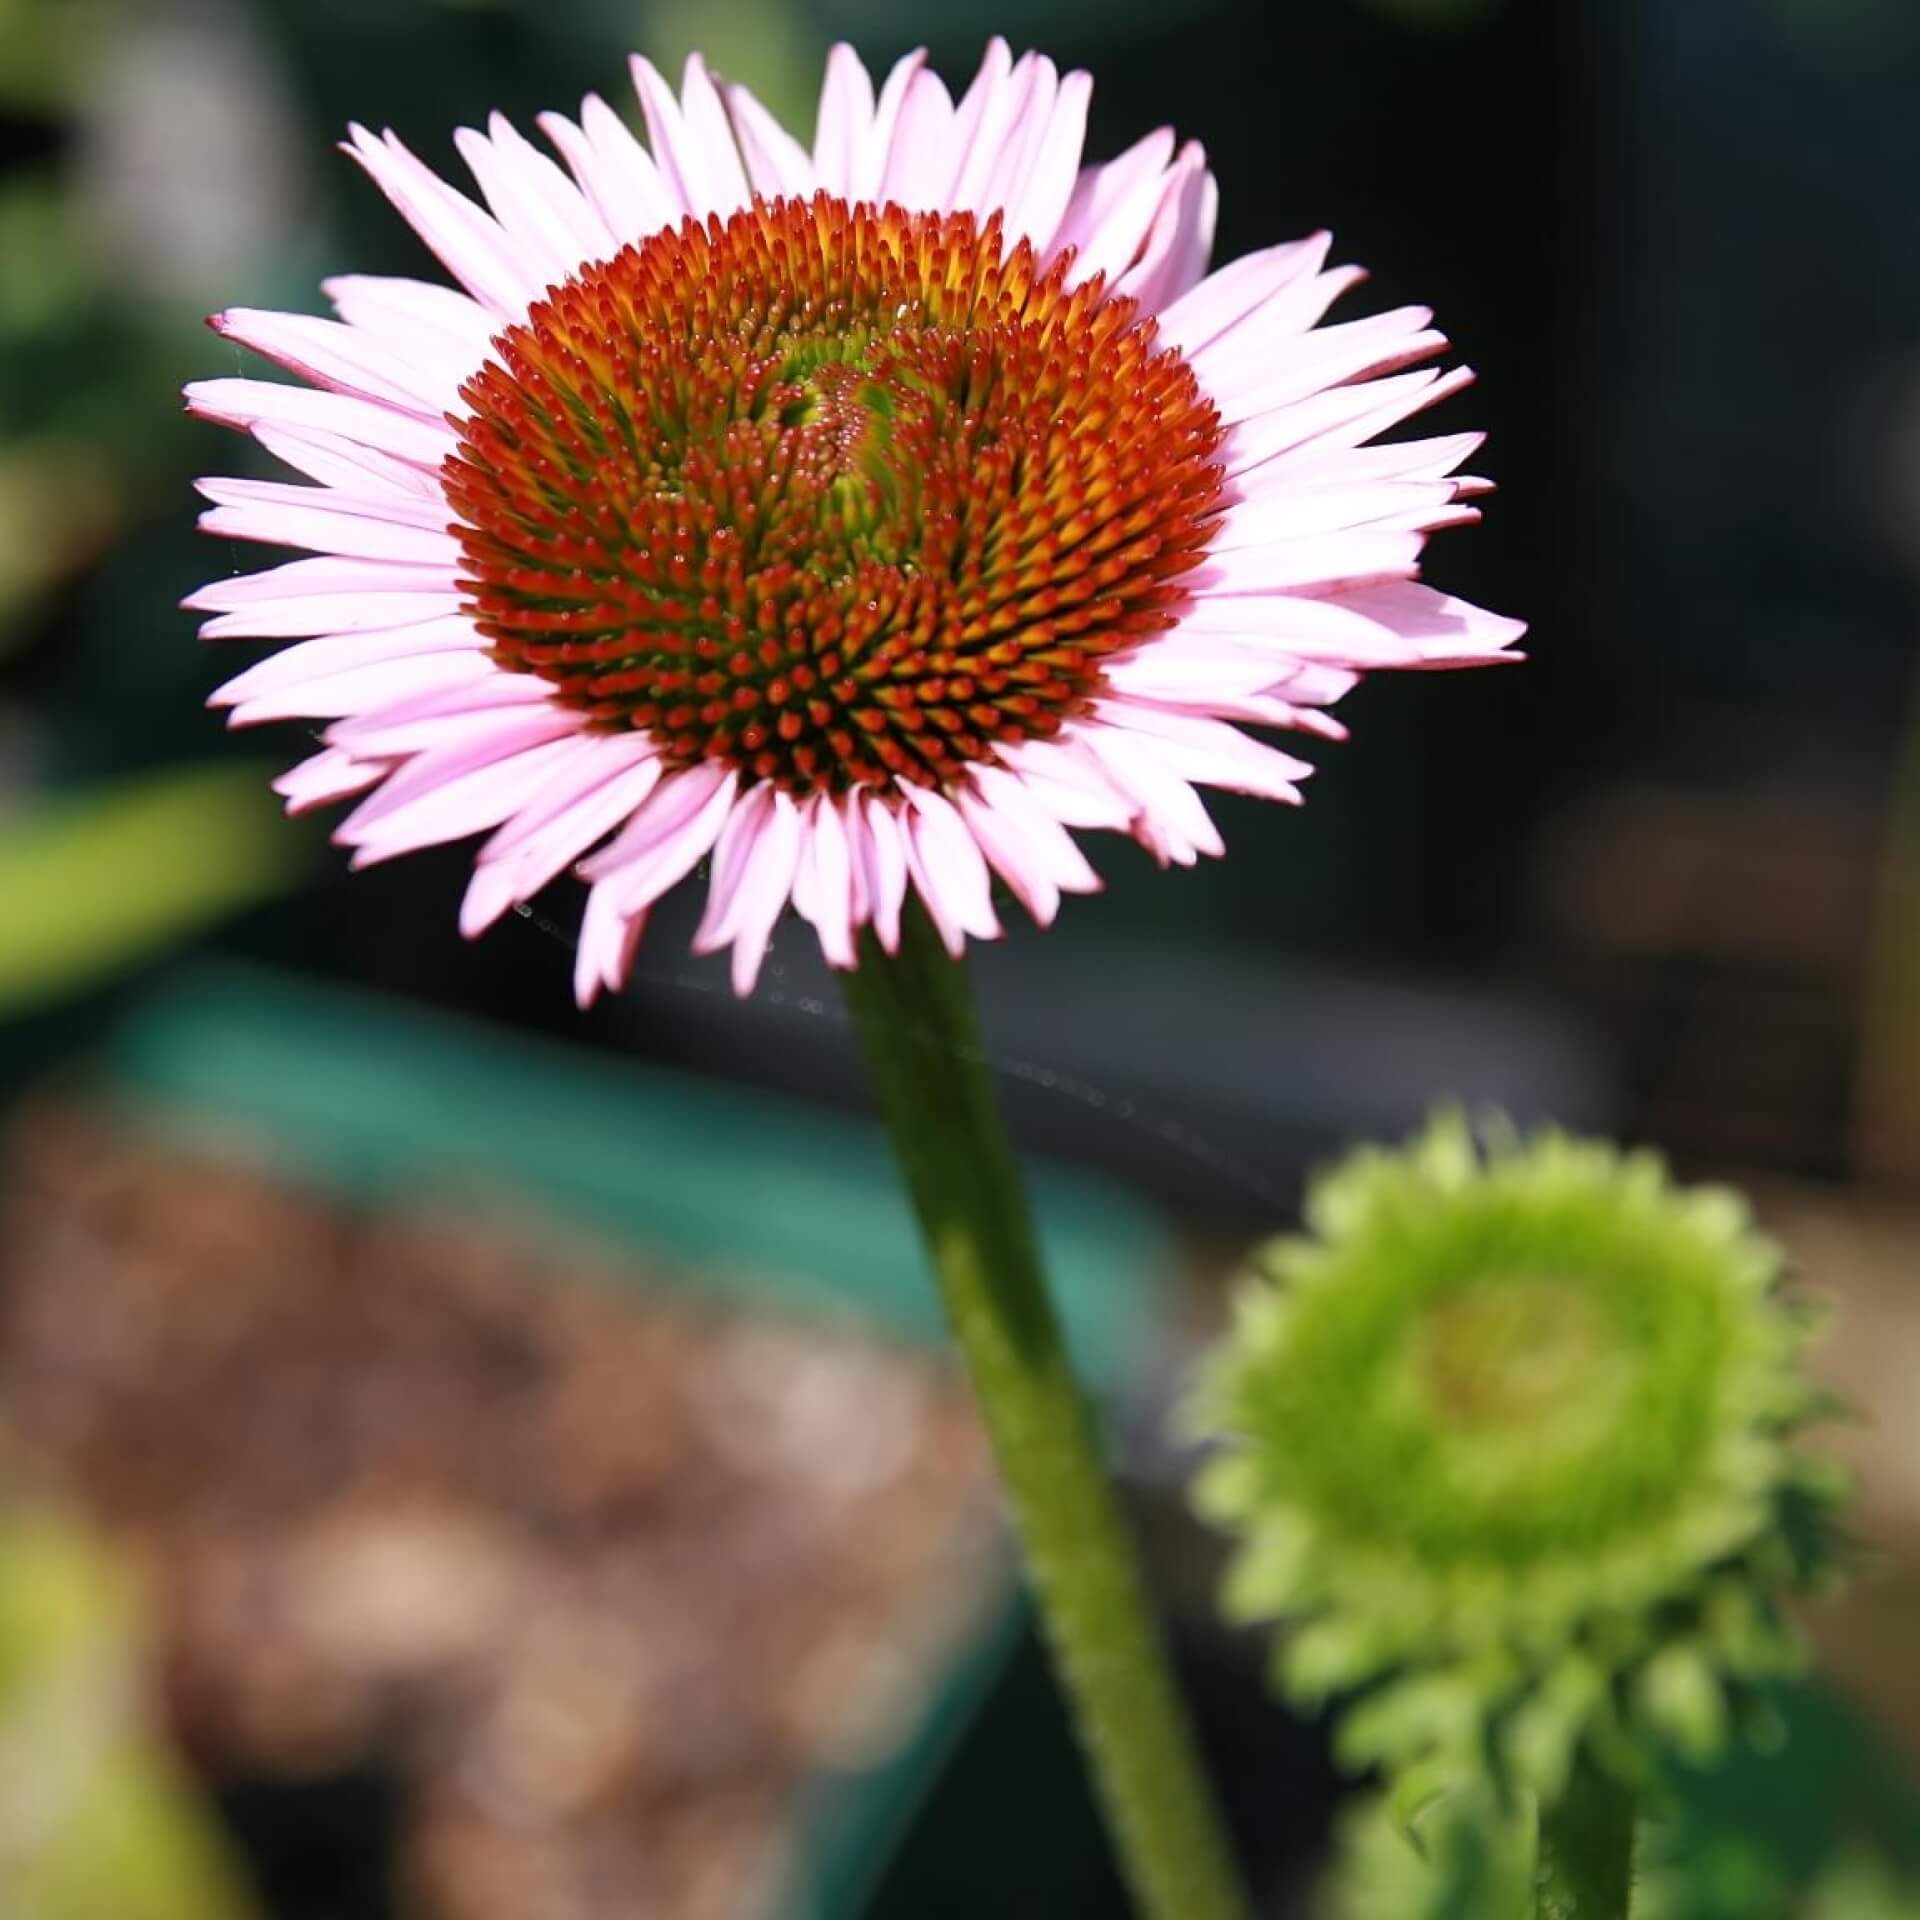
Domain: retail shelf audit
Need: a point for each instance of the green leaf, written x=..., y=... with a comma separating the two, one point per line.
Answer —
x=96, y=1817
x=93, y=882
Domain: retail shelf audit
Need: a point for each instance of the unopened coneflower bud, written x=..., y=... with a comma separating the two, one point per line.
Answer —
x=1510, y=1443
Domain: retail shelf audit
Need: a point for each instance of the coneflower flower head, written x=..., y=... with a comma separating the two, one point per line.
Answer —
x=857, y=521
x=1510, y=1444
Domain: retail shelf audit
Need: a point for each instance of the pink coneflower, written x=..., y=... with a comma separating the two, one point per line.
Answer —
x=856, y=521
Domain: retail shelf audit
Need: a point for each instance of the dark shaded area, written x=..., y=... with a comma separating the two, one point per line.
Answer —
x=318, y=1849
x=1014, y=1830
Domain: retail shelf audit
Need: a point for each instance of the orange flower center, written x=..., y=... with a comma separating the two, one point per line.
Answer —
x=829, y=493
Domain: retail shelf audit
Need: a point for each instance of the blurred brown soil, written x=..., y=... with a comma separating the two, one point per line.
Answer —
x=605, y=1577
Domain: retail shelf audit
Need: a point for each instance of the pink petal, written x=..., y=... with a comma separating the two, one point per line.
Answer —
x=1073, y=785
x=609, y=939
x=1446, y=631
x=326, y=777
x=1042, y=202
x=1171, y=823
x=675, y=801
x=456, y=717
x=871, y=165
x=325, y=522
x=1208, y=309
x=329, y=353
x=326, y=574
x=1209, y=750
x=1016, y=802
x=1181, y=237
x=328, y=594
x=919, y=166
x=469, y=803
x=357, y=470
x=884, y=867
x=300, y=615
x=614, y=170
x=1112, y=207
x=1309, y=680
x=748, y=821
x=364, y=497
x=337, y=695
x=846, y=116
x=853, y=820
x=972, y=116
x=1287, y=315
x=1233, y=682
x=424, y=320
x=490, y=892
x=981, y=121
x=777, y=164
x=456, y=752
x=823, y=892
x=692, y=145
x=947, y=868
x=673, y=833
x=1398, y=624
x=1245, y=381
x=249, y=403
x=608, y=764
x=707, y=124
x=1012, y=858
x=1295, y=626
x=468, y=241
x=1286, y=512
x=1317, y=564
x=764, y=888
x=340, y=653
x=517, y=862
x=1398, y=460
x=1034, y=83
x=1343, y=416
x=544, y=214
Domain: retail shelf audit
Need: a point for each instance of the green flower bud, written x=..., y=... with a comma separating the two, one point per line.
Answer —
x=1508, y=1442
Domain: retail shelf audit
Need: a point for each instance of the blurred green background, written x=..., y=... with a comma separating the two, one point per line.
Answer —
x=1664, y=880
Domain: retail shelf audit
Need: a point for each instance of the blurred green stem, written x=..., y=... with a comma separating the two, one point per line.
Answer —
x=1585, y=1868
x=914, y=1014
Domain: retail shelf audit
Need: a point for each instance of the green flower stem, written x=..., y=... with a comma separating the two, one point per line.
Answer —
x=915, y=1018
x=1585, y=1869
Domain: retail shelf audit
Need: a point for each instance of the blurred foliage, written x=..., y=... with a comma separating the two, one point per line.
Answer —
x=1433, y=14
x=1845, y=25
x=764, y=44
x=1825, y=1828
x=97, y=880
x=59, y=491
x=1755, y=1838
x=37, y=48
x=87, y=366
x=96, y=1821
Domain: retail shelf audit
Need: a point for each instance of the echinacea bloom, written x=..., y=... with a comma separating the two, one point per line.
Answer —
x=856, y=520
